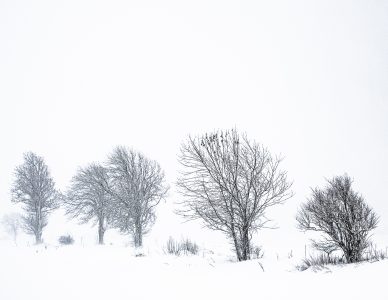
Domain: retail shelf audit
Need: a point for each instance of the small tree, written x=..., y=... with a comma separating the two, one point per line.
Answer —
x=88, y=197
x=12, y=223
x=35, y=189
x=343, y=217
x=229, y=182
x=137, y=187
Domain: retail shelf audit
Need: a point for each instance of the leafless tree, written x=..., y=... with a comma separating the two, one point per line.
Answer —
x=88, y=197
x=137, y=187
x=12, y=224
x=229, y=182
x=343, y=217
x=35, y=189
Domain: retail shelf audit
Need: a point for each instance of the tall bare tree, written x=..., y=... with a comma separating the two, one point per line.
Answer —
x=88, y=197
x=229, y=182
x=341, y=215
x=12, y=224
x=35, y=189
x=137, y=185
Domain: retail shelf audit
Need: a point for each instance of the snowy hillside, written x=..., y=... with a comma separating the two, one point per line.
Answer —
x=206, y=150
x=107, y=272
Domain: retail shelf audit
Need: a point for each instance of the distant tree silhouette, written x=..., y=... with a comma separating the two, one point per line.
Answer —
x=137, y=187
x=12, y=223
x=35, y=189
x=88, y=197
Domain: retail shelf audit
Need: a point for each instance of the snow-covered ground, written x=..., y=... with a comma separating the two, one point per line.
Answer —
x=112, y=272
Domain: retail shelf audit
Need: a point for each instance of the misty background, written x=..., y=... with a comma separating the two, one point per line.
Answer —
x=307, y=79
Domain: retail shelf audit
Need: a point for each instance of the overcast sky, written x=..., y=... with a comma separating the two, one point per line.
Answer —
x=308, y=79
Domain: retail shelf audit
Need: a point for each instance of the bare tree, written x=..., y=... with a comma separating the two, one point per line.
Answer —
x=343, y=217
x=12, y=224
x=35, y=189
x=88, y=197
x=137, y=186
x=229, y=182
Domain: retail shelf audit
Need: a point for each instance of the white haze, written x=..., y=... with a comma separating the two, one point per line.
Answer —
x=308, y=79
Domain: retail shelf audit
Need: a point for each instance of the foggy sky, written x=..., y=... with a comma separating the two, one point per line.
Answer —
x=308, y=79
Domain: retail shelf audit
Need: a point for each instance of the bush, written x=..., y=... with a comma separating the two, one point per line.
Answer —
x=172, y=247
x=342, y=216
x=189, y=247
x=185, y=247
x=257, y=252
x=66, y=239
x=373, y=254
x=319, y=261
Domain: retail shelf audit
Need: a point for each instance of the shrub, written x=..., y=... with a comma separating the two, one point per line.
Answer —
x=257, y=252
x=373, y=254
x=185, y=247
x=320, y=261
x=66, y=239
x=342, y=216
x=189, y=247
x=172, y=247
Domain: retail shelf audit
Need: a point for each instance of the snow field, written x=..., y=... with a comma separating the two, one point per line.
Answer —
x=108, y=272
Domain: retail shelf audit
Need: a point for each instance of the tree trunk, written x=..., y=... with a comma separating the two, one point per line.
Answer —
x=140, y=239
x=38, y=236
x=352, y=256
x=236, y=244
x=138, y=235
x=245, y=244
x=101, y=231
x=38, y=229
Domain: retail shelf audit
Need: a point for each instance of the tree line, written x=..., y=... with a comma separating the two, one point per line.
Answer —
x=226, y=180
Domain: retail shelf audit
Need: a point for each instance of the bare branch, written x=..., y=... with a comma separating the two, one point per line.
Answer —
x=88, y=197
x=229, y=183
x=341, y=215
x=34, y=188
x=137, y=187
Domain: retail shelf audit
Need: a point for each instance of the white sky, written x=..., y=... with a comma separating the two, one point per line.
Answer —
x=308, y=79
